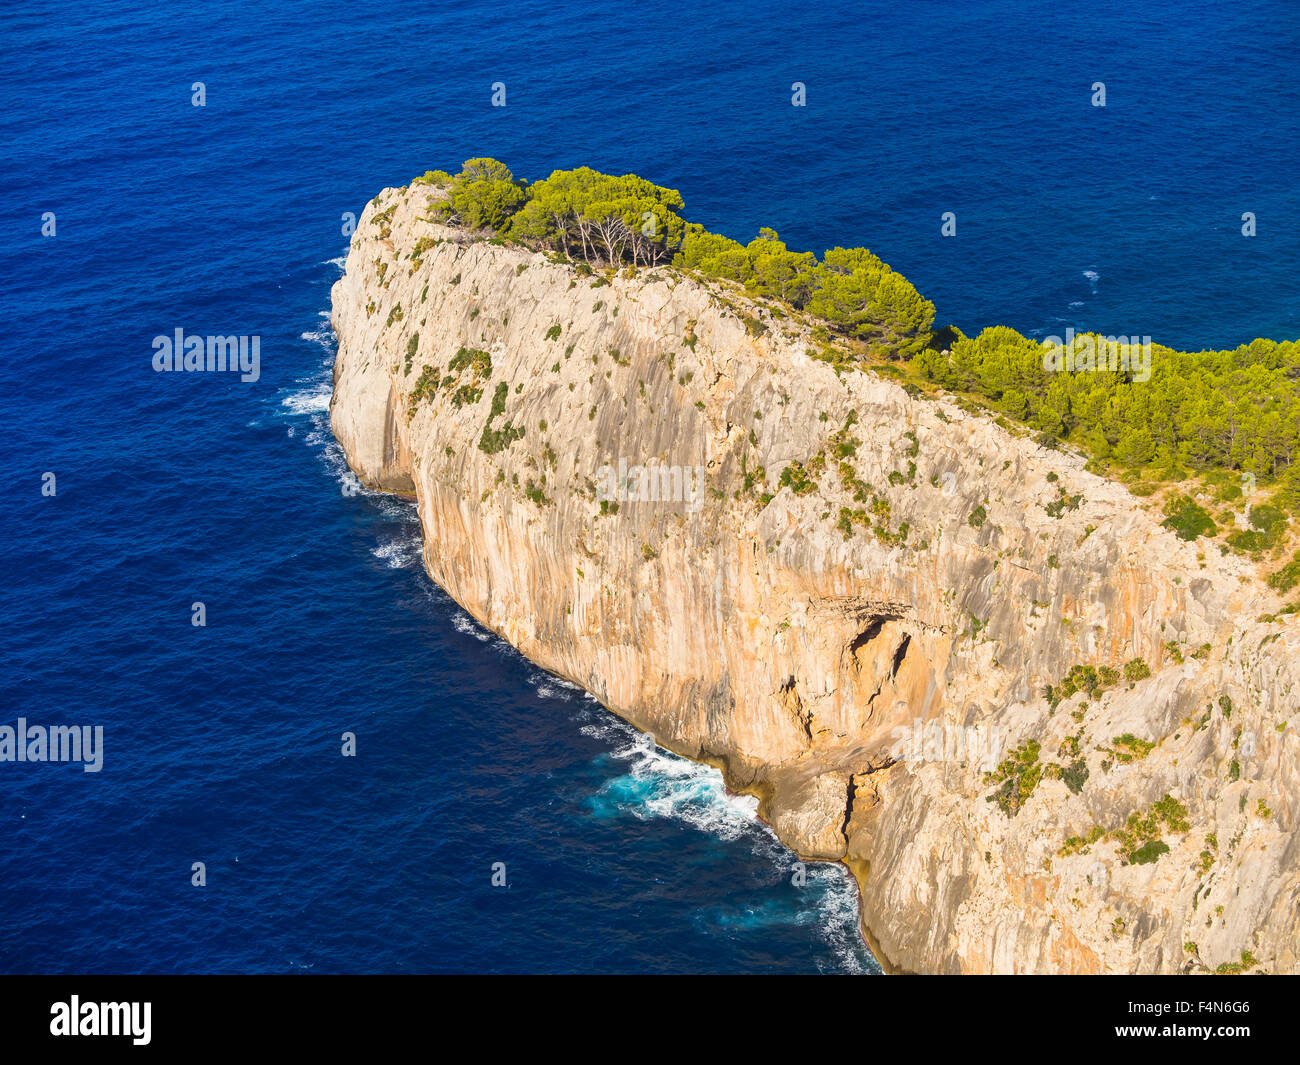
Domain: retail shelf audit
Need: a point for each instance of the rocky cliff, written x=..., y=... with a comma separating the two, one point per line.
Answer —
x=850, y=599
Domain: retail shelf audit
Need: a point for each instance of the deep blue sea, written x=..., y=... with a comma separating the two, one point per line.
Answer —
x=222, y=743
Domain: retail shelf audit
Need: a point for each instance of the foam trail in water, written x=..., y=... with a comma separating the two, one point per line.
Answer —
x=462, y=622
x=398, y=553
x=659, y=784
x=655, y=783
x=312, y=400
x=324, y=336
x=549, y=686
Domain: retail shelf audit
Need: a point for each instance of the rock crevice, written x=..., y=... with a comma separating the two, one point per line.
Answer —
x=621, y=476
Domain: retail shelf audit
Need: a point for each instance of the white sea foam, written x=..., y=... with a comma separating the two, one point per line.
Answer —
x=331, y=454
x=658, y=784
x=314, y=399
x=654, y=784
x=1093, y=276
x=549, y=686
x=398, y=553
x=838, y=917
x=324, y=336
x=462, y=622
x=394, y=508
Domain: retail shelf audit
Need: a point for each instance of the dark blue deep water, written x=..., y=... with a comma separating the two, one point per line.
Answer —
x=222, y=744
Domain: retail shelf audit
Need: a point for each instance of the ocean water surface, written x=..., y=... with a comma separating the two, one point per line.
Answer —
x=222, y=743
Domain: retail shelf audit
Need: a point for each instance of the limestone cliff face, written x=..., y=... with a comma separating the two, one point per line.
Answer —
x=854, y=681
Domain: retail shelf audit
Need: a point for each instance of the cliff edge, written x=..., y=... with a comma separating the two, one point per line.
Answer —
x=852, y=600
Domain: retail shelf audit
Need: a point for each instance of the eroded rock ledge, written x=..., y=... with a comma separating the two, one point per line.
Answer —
x=841, y=678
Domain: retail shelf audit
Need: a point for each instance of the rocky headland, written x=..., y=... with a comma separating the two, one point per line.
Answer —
x=1044, y=737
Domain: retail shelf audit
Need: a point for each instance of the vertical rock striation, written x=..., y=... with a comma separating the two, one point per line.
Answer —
x=861, y=645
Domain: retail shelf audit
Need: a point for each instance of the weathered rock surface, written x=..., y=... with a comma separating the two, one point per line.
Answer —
x=837, y=677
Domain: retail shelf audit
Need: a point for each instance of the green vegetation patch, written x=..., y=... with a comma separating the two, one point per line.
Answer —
x=1188, y=519
x=1287, y=577
x=473, y=359
x=799, y=478
x=605, y=220
x=426, y=386
x=1267, y=527
x=1139, y=839
x=1019, y=774
x=1093, y=680
x=1128, y=748
x=492, y=441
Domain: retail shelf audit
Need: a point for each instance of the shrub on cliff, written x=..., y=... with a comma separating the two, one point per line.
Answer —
x=861, y=295
x=493, y=441
x=1019, y=774
x=604, y=219
x=1139, y=840
x=1267, y=525
x=1287, y=577
x=1188, y=519
x=1148, y=852
x=601, y=217
x=1075, y=775
x=1136, y=670
x=483, y=195
x=1220, y=413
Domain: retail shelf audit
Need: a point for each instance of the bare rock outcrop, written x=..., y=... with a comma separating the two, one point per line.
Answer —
x=850, y=599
